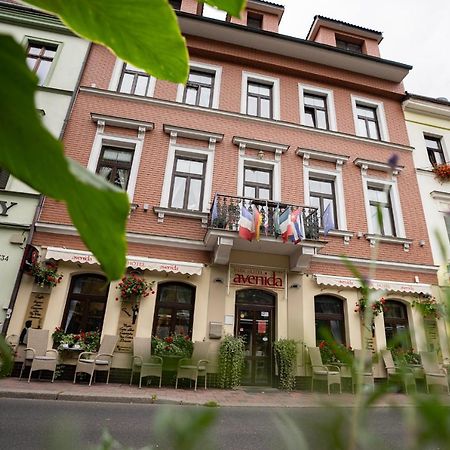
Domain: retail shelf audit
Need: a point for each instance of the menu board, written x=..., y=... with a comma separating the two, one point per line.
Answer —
x=432, y=335
x=127, y=326
x=37, y=308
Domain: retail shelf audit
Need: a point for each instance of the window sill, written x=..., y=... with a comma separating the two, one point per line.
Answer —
x=162, y=212
x=346, y=235
x=374, y=238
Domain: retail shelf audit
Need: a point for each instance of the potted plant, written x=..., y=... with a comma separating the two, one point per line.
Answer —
x=172, y=348
x=286, y=357
x=377, y=306
x=88, y=341
x=332, y=353
x=133, y=287
x=231, y=362
x=442, y=172
x=46, y=274
x=428, y=307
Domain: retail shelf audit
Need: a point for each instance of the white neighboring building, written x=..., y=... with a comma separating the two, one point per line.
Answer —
x=57, y=56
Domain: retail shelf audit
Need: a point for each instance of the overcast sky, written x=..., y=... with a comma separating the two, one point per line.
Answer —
x=415, y=32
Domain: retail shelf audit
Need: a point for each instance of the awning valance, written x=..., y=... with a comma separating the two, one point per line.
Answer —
x=389, y=286
x=135, y=262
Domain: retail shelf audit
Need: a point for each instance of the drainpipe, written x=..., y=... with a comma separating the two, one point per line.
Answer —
x=40, y=205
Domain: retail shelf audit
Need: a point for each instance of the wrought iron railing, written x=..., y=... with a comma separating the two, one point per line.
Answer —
x=226, y=212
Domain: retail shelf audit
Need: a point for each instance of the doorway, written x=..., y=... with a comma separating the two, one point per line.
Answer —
x=255, y=313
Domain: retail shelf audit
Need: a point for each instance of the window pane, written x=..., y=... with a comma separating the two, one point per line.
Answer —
x=323, y=187
x=262, y=177
x=50, y=52
x=264, y=194
x=31, y=63
x=127, y=82
x=121, y=179
x=362, y=130
x=321, y=119
x=34, y=49
x=252, y=106
x=367, y=112
x=141, y=85
x=202, y=78
x=374, y=219
x=195, y=190
x=105, y=172
x=179, y=186
x=205, y=96
x=387, y=222
x=163, y=322
x=191, y=95
x=190, y=166
x=182, y=322
x=90, y=286
x=42, y=71
x=432, y=143
x=74, y=316
x=314, y=100
x=117, y=155
x=265, y=108
x=95, y=312
x=315, y=203
x=309, y=117
x=373, y=130
x=249, y=192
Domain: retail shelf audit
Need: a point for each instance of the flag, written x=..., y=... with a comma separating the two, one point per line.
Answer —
x=327, y=220
x=257, y=218
x=214, y=211
x=266, y=220
x=246, y=224
x=285, y=224
x=276, y=222
x=297, y=226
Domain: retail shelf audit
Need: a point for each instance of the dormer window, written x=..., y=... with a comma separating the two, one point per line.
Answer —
x=254, y=20
x=349, y=46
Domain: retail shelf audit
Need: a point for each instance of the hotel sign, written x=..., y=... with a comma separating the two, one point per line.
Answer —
x=257, y=277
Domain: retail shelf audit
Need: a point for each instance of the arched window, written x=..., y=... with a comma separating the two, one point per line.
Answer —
x=85, y=307
x=174, y=309
x=396, y=324
x=329, y=316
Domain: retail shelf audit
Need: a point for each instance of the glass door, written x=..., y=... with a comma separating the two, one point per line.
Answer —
x=255, y=325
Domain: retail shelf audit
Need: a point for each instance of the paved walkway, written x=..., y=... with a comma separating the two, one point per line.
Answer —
x=123, y=393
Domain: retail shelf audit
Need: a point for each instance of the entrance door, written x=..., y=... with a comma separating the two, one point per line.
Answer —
x=255, y=324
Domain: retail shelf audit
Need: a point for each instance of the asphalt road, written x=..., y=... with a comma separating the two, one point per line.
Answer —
x=63, y=425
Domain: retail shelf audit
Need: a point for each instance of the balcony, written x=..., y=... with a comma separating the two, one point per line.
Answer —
x=223, y=226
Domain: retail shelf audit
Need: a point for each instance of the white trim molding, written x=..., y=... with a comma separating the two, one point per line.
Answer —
x=381, y=116
x=329, y=99
x=274, y=82
x=308, y=154
x=366, y=164
x=202, y=67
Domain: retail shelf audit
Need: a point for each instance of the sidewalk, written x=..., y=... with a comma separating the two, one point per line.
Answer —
x=123, y=393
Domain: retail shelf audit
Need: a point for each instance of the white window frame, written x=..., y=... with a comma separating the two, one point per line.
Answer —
x=135, y=144
x=217, y=70
x=395, y=204
x=115, y=80
x=26, y=41
x=254, y=162
x=329, y=96
x=328, y=175
x=190, y=152
x=381, y=116
x=275, y=82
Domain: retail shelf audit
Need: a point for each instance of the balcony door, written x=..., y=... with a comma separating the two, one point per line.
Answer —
x=255, y=319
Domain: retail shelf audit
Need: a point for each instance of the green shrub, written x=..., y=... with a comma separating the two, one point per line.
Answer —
x=286, y=357
x=231, y=362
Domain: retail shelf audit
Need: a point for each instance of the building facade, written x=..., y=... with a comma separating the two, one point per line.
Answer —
x=268, y=130
x=56, y=56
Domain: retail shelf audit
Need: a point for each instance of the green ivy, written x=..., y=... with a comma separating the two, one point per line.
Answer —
x=286, y=357
x=231, y=362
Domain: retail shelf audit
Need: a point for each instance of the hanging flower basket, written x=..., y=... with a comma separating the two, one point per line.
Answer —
x=46, y=274
x=377, y=306
x=442, y=172
x=133, y=288
x=428, y=307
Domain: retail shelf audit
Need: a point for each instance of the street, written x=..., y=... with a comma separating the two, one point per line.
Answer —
x=63, y=425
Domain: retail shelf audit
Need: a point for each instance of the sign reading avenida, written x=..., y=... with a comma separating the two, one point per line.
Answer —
x=256, y=277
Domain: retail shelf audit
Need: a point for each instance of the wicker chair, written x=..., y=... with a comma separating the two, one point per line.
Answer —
x=90, y=363
x=37, y=354
x=323, y=372
x=143, y=362
x=195, y=366
x=398, y=374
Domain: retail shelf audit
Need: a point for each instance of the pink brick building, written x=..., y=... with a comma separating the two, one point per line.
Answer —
x=265, y=120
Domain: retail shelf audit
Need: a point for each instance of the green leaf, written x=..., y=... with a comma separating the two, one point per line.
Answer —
x=143, y=32
x=234, y=7
x=29, y=152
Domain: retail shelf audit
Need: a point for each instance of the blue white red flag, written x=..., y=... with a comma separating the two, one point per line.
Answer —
x=246, y=224
x=297, y=226
x=285, y=224
x=327, y=220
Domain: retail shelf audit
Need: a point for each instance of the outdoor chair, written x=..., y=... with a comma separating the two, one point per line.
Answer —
x=434, y=373
x=37, y=355
x=323, y=372
x=91, y=363
x=143, y=362
x=366, y=376
x=398, y=374
x=195, y=366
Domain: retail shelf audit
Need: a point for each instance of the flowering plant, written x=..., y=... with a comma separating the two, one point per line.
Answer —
x=45, y=274
x=134, y=287
x=173, y=345
x=428, y=306
x=332, y=352
x=442, y=172
x=88, y=341
x=377, y=306
x=408, y=356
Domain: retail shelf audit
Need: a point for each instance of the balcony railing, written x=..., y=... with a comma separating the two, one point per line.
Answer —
x=226, y=211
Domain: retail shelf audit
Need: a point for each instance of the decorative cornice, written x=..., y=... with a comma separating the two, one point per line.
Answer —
x=161, y=212
x=374, y=238
x=308, y=154
x=121, y=122
x=366, y=164
x=193, y=134
x=245, y=117
x=260, y=145
x=439, y=195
